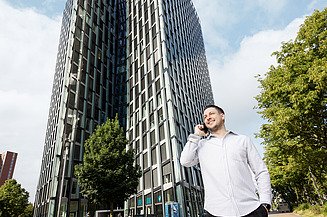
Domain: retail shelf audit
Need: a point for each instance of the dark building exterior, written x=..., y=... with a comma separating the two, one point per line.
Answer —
x=89, y=87
x=142, y=59
x=7, y=166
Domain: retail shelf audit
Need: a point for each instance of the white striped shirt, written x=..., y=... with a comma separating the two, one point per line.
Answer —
x=226, y=164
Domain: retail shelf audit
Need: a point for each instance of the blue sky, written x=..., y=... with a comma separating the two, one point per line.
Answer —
x=239, y=37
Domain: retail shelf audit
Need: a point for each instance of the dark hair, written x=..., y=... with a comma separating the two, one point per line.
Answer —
x=220, y=110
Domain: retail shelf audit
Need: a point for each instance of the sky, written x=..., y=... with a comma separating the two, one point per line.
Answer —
x=239, y=35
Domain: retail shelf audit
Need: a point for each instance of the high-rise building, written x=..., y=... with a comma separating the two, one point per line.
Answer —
x=142, y=59
x=89, y=87
x=168, y=86
x=7, y=166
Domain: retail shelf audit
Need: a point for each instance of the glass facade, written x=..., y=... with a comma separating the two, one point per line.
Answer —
x=89, y=87
x=145, y=61
x=168, y=86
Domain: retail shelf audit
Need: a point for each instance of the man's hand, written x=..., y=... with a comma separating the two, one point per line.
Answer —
x=266, y=206
x=198, y=130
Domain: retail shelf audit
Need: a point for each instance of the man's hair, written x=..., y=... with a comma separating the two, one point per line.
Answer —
x=220, y=110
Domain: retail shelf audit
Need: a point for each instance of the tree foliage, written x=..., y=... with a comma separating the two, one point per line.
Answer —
x=13, y=199
x=28, y=212
x=294, y=102
x=107, y=175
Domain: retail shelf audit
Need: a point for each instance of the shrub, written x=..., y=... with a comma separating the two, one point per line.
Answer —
x=302, y=207
x=324, y=209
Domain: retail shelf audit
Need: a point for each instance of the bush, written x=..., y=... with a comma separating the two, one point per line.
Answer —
x=324, y=209
x=316, y=209
x=307, y=210
x=302, y=207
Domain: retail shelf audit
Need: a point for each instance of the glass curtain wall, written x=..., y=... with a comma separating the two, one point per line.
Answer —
x=90, y=65
x=168, y=83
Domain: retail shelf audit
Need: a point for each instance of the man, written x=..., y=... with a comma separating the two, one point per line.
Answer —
x=226, y=160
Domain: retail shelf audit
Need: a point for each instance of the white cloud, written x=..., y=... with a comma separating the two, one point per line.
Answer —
x=225, y=22
x=234, y=83
x=216, y=15
x=28, y=42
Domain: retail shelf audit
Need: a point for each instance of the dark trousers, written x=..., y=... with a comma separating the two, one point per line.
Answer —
x=259, y=212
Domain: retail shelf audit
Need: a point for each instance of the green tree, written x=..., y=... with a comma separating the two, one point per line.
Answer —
x=293, y=100
x=28, y=212
x=107, y=175
x=13, y=199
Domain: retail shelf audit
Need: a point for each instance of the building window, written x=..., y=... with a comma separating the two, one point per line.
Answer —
x=155, y=178
x=161, y=132
x=166, y=173
x=137, y=146
x=74, y=187
x=77, y=151
x=151, y=120
x=143, y=111
x=132, y=202
x=130, y=135
x=148, y=199
x=145, y=142
x=160, y=115
x=151, y=105
x=145, y=160
x=149, y=78
x=137, y=130
x=150, y=90
x=147, y=180
x=163, y=152
x=153, y=18
x=143, y=97
x=139, y=200
x=155, y=44
x=137, y=116
x=156, y=59
x=154, y=156
x=168, y=195
x=158, y=85
x=159, y=99
x=157, y=198
x=144, y=129
x=153, y=137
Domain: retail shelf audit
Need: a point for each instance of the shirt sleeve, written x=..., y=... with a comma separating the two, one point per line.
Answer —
x=189, y=155
x=261, y=173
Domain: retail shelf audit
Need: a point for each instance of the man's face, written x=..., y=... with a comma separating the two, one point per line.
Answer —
x=213, y=119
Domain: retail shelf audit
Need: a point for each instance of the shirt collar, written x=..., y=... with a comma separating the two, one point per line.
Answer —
x=211, y=135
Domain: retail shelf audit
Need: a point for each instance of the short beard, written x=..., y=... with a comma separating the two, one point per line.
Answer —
x=217, y=127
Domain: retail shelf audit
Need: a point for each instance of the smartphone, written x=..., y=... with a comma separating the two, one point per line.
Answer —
x=205, y=128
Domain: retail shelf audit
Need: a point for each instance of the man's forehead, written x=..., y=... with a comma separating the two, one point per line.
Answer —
x=210, y=109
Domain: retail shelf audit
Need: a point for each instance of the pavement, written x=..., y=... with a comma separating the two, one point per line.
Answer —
x=289, y=214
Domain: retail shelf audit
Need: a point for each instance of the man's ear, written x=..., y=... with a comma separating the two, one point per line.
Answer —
x=223, y=116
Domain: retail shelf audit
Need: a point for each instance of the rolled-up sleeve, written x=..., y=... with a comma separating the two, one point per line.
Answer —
x=189, y=155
